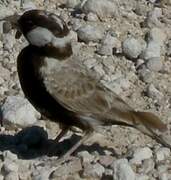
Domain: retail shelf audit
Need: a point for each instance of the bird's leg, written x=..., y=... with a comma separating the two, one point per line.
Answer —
x=62, y=133
x=73, y=148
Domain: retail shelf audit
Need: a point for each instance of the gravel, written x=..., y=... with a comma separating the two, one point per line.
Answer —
x=127, y=44
x=19, y=112
x=88, y=33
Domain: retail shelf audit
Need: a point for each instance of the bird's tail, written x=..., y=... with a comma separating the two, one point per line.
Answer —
x=151, y=125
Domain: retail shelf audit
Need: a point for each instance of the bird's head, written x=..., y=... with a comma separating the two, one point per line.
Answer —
x=41, y=27
x=47, y=31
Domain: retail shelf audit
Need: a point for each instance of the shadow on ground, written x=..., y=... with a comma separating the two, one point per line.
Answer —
x=33, y=142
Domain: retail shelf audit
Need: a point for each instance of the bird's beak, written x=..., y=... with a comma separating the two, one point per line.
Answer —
x=11, y=22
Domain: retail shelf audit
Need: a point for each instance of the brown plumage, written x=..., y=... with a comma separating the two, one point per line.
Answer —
x=64, y=91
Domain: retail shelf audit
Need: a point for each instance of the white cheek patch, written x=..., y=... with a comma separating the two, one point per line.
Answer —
x=39, y=36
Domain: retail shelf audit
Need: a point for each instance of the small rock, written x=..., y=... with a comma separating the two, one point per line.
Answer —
x=18, y=111
x=153, y=50
x=122, y=170
x=11, y=176
x=8, y=42
x=107, y=45
x=141, y=154
x=132, y=48
x=9, y=155
x=103, y=8
x=89, y=33
x=5, y=73
x=93, y=170
x=147, y=166
x=72, y=3
x=162, y=154
x=28, y=5
x=91, y=17
x=157, y=35
x=9, y=166
x=154, y=64
x=106, y=160
x=69, y=168
x=85, y=157
x=154, y=93
x=146, y=75
x=153, y=18
x=89, y=63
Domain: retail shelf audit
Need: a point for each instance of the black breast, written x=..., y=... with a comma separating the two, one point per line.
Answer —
x=35, y=90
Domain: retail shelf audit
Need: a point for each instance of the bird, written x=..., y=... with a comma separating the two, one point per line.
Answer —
x=63, y=90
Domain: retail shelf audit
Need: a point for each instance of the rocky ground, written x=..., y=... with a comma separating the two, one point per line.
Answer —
x=128, y=44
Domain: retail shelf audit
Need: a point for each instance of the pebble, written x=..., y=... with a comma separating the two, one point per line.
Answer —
x=93, y=170
x=162, y=154
x=8, y=42
x=146, y=75
x=18, y=111
x=86, y=157
x=72, y=167
x=156, y=38
x=132, y=48
x=154, y=93
x=103, y=8
x=153, y=50
x=9, y=166
x=154, y=64
x=153, y=18
x=28, y=5
x=90, y=33
x=147, y=166
x=106, y=160
x=9, y=155
x=141, y=154
x=122, y=170
x=92, y=17
x=158, y=35
x=108, y=44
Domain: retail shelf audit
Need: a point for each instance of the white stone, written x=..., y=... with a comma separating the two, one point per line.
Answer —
x=153, y=50
x=9, y=155
x=162, y=154
x=154, y=93
x=157, y=35
x=93, y=170
x=154, y=64
x=141, y=154
x=86, y=157
x=108, y=43
x=89, y=33
x=9, y=166
x=103, y=8
x=122, y=170
x=19, y=112
x=132, y=47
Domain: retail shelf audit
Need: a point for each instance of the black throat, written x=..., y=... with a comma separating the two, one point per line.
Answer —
x=60, y=53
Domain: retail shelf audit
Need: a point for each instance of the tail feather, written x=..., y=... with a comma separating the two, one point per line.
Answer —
x=151, y=125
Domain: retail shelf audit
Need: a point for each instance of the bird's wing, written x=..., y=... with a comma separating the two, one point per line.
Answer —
x=79, y=92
